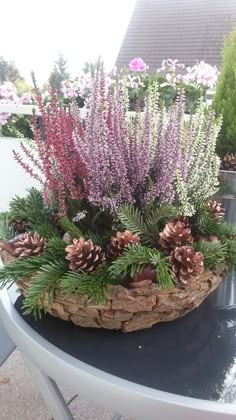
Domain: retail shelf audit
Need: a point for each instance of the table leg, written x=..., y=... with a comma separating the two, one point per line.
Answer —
x=50, y=392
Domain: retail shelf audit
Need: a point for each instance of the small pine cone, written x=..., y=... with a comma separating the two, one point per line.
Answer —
x=216, y=210
x=229, y=162
x=84, y=255
x=55, y=218
x=18, y=224
x=145, y=277
x=175, y=233
x=25, y=245
x=119, y=242
x=186, y=263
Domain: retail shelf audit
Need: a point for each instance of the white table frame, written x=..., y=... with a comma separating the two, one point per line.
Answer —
x=48, y=365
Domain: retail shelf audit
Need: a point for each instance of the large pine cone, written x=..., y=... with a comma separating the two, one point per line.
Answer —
x=216, y=210
x=84, y=255
x=119, y=242
x=229, y=162
x=175, y=233
x=186, y=263
x=25, y=245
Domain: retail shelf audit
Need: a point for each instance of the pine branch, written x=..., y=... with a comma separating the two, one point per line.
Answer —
x=133, y=220
x=31, y=208
x=21, y=268
x=134, y=259
x=157, y=217
x=46, y=230
x=70, y=227
x=6, y=230
x=215, y=253
x=94, y=285
x=56, y=248
x=40, y=294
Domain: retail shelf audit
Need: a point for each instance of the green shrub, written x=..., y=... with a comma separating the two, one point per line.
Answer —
x=225, y=98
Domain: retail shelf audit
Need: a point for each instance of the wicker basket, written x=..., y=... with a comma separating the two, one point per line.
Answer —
x=130, y=309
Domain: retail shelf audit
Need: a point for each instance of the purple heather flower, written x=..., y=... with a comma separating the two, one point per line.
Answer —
x=137, y=64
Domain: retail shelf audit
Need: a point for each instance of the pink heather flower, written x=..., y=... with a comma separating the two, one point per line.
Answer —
x=137, y=64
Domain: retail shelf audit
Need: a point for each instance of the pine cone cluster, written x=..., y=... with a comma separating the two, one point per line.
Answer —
x=25, y=245
x=229, y=162
x=216, y=210
x=84, y=255
x=186, y=263
x=119, y=242
x=175, y=234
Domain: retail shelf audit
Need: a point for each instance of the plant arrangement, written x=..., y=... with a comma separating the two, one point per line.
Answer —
x=124, y=232
x=225, y=104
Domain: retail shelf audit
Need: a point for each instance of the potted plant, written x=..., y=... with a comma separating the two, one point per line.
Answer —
x=123, y=233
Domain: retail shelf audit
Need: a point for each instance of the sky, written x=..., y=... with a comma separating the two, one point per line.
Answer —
x=32, y=34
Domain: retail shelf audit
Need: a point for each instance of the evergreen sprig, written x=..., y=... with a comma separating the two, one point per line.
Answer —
x=22, y=268
x=93, y=285
x=56, y=248
x=6, y=230
x=146, y=225
x=70, y=227
x=215, y=253
x=40, y=294
x=134, y=259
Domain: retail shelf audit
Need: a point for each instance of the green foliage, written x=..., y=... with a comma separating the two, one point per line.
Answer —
x=35, y=212
x=135, y=258
x=225, y=98
x=147, y=226
x=59, y=73
x=231, y=254
x=22, y=268
x=215, y=253
x=18, y=126
x=70, y=227
x=42, y=285
x=93, y=285
x=6, y=230
x=8, y=71
x=56, y=248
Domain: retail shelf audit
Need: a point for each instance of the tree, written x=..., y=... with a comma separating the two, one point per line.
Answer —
x=59, y=73
x=8, y=71
x=225, y=98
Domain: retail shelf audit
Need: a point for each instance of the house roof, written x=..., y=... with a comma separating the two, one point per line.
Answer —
x=189, y=30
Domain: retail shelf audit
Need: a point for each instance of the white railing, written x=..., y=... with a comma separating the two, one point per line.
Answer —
x=29, y=109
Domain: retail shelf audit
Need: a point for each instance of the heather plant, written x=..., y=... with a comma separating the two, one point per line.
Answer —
x=110, y=159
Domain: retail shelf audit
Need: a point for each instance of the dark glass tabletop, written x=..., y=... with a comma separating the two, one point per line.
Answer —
x=192, y=356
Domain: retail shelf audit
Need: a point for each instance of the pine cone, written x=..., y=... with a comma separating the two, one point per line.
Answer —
x=55, y=218
x=216, y=210
x=229, y=162
x=145, y=277
x=186, y=263
x=119, y=242
x=18, y=224
x=208, y=238
x=84, y=255
x=175, y=233
x=25, y=245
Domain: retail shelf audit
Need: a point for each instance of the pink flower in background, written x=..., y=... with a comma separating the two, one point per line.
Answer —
x=26, y=98
x=137, y=64
x=202, y=74
x=3, y=118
